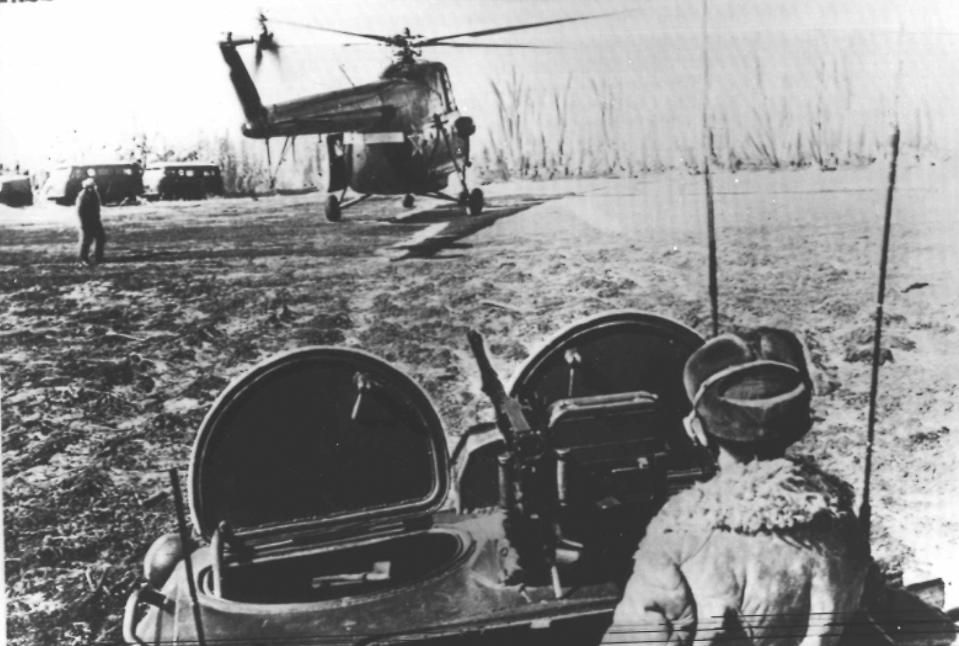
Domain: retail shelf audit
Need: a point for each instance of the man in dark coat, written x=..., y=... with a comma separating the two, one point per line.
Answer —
x=91, y=228
x=768, y=552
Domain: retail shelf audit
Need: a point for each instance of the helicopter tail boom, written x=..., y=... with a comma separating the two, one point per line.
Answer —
x=279, y=125
x=246, y=91
x=357, y=109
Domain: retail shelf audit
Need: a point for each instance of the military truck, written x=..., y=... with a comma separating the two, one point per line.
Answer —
x=182, y=180
x=116, y=182
x=15, y=190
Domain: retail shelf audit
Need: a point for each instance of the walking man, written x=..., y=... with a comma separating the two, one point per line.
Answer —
x=769, y=551
x=91, y=228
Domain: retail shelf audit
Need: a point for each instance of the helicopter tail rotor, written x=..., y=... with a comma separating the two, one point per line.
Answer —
x=265, y=41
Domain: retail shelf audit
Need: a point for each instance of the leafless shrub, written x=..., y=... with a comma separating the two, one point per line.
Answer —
x=535, y=138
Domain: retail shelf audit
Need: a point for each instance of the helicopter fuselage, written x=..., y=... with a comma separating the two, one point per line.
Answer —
x=412, y=147
x=400, y=134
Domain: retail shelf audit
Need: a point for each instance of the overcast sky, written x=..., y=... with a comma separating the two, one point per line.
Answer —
x=78, y=74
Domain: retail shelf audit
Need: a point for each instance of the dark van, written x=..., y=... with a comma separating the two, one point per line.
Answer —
x=115, y=182
x=182, y=180
x=15, y=190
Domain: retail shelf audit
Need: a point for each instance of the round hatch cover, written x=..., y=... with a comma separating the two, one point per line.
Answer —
x=626, y=353
x=613, y=352
x=318, y=436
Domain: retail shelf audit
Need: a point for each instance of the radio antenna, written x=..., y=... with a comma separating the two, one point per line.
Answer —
x=343, y=69
x=865, y=510
x=707, y=154
x=185, y=541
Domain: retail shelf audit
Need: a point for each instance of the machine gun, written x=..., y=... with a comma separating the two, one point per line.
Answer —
x=531, y=482
x=510, y=418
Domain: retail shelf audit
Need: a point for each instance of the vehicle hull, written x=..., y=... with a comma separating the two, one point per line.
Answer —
x=462, y=600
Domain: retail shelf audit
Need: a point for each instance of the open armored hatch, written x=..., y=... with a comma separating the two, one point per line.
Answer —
x=312, y=448
x=331, y=462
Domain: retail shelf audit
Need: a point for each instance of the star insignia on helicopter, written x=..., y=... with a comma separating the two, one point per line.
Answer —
x=418, y=141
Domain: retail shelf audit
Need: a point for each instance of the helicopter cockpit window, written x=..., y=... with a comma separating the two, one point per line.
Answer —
x=439, y=102
x=448, y=93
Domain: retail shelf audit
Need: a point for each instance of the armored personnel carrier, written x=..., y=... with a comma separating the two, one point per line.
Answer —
x=329, y=510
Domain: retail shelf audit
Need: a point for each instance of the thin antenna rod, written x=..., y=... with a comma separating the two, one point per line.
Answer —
x=707, y=153
x=185, y=541
x=343, y=69
x=269, y=162
x=865, y=511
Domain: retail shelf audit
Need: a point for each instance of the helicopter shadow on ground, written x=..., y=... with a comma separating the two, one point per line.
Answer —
x=177, y=255
x=447, y=225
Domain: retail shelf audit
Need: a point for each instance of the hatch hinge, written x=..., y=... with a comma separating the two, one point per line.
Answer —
x=400, y=526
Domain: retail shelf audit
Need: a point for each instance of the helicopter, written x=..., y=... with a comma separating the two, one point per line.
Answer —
x=400, y=135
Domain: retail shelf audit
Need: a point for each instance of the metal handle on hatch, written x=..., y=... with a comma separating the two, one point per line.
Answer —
x=131, y=614
x=131, y=618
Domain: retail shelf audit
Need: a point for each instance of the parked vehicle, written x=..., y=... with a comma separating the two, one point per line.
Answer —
x=170, y=181
x=115, y=182
x=15, y=190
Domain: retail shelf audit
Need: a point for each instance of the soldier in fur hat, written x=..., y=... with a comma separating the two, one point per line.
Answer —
x=769, y=551
x=91, y=227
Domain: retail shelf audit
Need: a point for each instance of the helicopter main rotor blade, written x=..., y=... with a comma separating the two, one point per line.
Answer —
x=377, y=37
x=500, y=30
x=484, y=45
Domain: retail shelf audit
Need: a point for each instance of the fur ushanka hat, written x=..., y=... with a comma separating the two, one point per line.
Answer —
x=752, y=387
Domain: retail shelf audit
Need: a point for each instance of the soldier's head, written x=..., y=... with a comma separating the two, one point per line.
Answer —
x=88, y=184
x=750, y=392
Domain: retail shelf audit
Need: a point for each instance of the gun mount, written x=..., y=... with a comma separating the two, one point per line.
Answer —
x=588, y=445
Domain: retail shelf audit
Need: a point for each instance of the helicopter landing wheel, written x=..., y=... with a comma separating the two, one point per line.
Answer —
x=332, y=209
x=464, y=198
x=476, y=202
x=408, y=201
